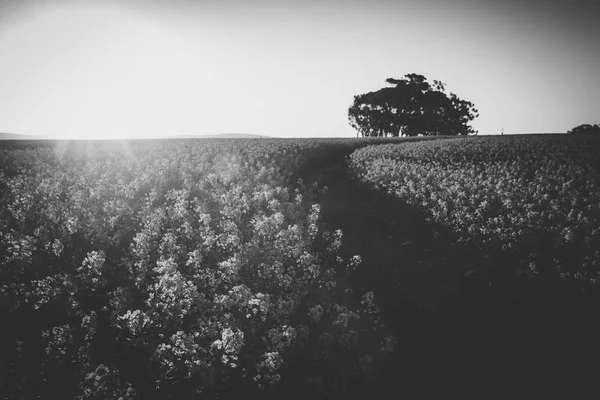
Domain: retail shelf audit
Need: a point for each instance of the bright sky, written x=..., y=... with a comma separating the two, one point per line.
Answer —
x=133, y=68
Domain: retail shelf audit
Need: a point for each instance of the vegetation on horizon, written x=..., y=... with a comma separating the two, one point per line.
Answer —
x=411, y=107
x=586, y=129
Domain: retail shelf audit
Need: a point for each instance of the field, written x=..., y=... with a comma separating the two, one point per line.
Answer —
x=535, y=199
x=304, y=268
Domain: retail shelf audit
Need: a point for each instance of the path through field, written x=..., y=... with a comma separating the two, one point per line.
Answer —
x=412, y=272
x=457, y=335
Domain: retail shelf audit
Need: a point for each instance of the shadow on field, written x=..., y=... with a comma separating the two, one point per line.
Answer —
x=476, y=333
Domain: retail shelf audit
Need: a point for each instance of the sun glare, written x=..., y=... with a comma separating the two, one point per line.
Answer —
x=87, y=148
x=139, y=81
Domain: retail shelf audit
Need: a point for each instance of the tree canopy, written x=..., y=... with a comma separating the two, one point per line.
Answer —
x=586, y=129
x=410, y=107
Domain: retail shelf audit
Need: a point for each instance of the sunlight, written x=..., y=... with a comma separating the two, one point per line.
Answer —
x=86, y=148
x=137, y=80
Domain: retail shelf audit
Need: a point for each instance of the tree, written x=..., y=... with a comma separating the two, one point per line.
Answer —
x=412, y=106
x=586, y=129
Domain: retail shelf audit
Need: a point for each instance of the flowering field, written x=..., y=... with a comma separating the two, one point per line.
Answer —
x=528, y=201
x=169, y=269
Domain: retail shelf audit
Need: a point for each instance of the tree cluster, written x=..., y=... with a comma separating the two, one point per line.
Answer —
x=586, y=129
x=411, y=107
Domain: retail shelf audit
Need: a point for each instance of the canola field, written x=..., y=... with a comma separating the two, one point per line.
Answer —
x=151, y=269
x=535, y=200
x=202, y=268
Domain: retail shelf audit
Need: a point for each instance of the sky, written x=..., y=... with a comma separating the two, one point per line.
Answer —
x=131, y=68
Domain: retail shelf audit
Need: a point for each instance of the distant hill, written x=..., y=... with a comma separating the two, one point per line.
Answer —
x=14, y=136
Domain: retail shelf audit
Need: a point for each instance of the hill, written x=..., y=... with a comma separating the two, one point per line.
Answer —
x=15, y=136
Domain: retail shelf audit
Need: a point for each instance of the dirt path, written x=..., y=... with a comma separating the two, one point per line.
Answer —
x=394, y=240
x=456, y=335
x=415, y=270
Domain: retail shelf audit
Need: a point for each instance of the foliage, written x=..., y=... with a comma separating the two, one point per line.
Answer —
x=586, y=129
x=533, y=200
x=170, y=269
x=409, y=108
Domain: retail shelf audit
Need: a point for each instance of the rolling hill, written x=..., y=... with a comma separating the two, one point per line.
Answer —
x=15, y=136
